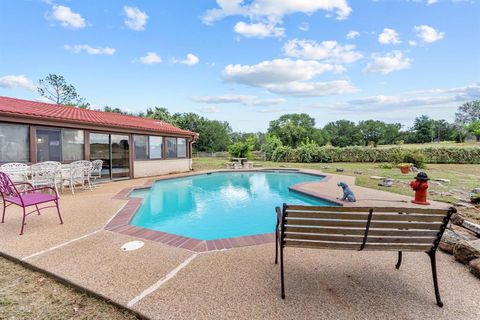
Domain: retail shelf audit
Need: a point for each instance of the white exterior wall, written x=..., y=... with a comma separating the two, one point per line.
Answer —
x=149, y=168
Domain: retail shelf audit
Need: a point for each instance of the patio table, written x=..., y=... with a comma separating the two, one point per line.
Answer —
x=240, y=160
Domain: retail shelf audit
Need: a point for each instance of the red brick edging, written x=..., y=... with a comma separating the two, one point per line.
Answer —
x=121, y=223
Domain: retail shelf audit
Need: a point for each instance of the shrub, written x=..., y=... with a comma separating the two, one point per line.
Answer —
x=241, y=150
x=272, y=142
x=416, y=158
x=307, y=152
x=312, y=153
x=282, y=154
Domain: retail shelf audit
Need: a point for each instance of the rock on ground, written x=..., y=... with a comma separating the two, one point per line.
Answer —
x=452, y=236
x=472, y=227
x=465, y=251
x=475, y=267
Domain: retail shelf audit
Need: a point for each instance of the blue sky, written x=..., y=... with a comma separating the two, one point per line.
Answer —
x=248, y=62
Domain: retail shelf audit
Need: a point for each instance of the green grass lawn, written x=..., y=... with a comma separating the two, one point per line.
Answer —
x=463, y=177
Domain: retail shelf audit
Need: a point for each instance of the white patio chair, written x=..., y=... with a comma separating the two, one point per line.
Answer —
x=248, y=165
x=18, y=172
x=96, y=172
x=237, y=165
x=79, y=174
x=46, y=173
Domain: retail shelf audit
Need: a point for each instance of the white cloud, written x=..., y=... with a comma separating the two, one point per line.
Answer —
x=90, y=50
x=390, y=62
x=430, y=2
x=421, y=98
x=67, y=17
x=135, y=19
x=258, y=30
x=352, y=34
x=150, y=58
x=17, y=81
x=389, y=36
x=412, y=43
x=428, y=34
x=288, y=77
x=274, y=10
x=209, y=109
x=238, y=98
x=326, y=50
x=304, y=26
x=190, y=60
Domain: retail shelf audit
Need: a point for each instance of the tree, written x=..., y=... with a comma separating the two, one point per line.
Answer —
x=213, y=136
x=468, y=112
x=372, y=131
x=294, y=128
x=444, y=131
x=55, y=88
x=160, y=113
x=115, y=110
x=424, y=129
x=474, y=128
x=392, y=133
x=460, y=133
x=342, y=133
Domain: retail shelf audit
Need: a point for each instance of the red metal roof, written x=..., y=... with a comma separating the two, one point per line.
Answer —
x=35, y=109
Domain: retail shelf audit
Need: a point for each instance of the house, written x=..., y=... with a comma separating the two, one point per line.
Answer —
x=129, y=146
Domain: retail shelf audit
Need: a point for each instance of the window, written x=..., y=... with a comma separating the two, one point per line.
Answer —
x=182, y=148
x=59, y=145
x=141, y=147
x=156, y=145
x=49, y=147
x=14, y=143
x=171, y=147
x=72, y=145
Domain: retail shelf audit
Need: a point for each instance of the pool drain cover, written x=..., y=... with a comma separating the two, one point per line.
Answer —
x=132, y=245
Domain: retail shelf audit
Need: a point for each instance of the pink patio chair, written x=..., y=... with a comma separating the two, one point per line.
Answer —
x=29, y=197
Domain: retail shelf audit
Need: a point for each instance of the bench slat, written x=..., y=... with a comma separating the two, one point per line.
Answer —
x=373, y=225
x=358, y=239
x=353, y=246
x=358, y=231
x=366, y=209
x=364, y=216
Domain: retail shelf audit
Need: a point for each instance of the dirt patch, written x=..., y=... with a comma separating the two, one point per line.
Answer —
x=25, y=294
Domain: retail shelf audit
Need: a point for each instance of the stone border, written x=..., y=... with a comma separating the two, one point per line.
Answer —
x=121, y=221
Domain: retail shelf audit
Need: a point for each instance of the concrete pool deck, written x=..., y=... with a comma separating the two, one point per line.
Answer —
x=161, y=281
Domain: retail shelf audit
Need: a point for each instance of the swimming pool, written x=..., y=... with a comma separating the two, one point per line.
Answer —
x=221, y=204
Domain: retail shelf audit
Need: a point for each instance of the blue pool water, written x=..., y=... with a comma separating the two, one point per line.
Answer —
x=220, y=205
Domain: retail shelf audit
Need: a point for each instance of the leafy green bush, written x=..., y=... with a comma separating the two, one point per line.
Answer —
x=241, y=150
x=416, y=158
x=283, y=154
x=272, y=142
x=309, y=152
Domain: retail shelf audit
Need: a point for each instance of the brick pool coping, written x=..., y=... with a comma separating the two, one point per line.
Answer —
x=121, y=221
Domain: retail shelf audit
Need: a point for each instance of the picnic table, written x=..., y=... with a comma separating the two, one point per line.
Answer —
x=240, y=160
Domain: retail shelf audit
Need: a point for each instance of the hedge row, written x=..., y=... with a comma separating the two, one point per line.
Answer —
x=312, y=153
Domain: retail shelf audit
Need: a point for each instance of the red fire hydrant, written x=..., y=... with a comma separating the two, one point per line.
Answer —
x=420, y=185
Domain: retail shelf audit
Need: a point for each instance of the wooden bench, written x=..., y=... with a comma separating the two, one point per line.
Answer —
x=361, y=228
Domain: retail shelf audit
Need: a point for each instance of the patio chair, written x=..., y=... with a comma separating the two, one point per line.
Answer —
x=350, y=228
x=248, y=165
x=79, y=174
x=96, y=170
x=18, y=172
x=237, y=165
x=47, y=174
x=29, y=197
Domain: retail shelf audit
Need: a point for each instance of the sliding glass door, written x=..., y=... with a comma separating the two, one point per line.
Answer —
x=113, y=150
